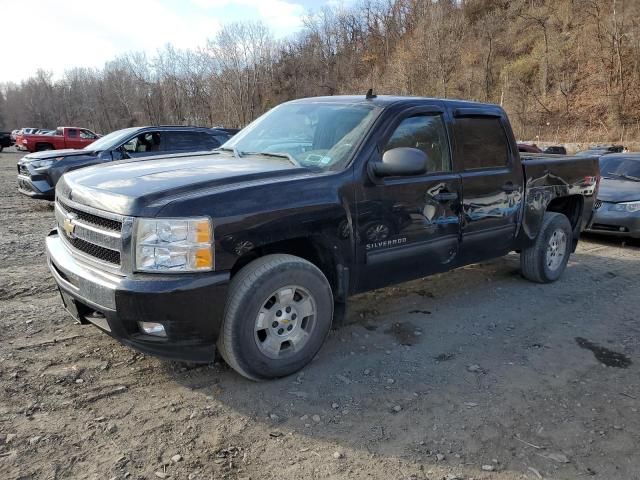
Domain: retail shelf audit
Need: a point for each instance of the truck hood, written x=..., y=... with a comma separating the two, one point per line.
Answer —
x=612, y=190
x=141, y=188
x=67, y=152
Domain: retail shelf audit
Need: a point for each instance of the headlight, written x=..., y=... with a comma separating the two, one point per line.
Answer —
x=630, y=207
x=37, y=164
x=174, y=245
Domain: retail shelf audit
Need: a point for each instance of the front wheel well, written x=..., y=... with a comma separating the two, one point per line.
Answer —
x=307, y=248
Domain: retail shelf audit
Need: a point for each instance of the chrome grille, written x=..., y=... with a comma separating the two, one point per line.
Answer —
x=598, y=204
x=95, y=220
x=88, y=233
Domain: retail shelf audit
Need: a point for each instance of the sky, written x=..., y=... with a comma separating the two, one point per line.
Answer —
x=55, y=35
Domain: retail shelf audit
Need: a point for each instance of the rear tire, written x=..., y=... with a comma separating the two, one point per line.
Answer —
x=278, y=314
x=546, y=259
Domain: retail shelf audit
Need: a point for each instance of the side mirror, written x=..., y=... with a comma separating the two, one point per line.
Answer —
x=400, y=162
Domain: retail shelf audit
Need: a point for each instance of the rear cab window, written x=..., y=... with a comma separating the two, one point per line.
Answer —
x=483, y=142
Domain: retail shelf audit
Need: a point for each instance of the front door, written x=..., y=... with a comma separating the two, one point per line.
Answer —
x=408, y=227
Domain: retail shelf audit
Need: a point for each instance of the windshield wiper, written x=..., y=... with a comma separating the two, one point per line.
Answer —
x=625, y=176
x=233, y=150
x=277, y=155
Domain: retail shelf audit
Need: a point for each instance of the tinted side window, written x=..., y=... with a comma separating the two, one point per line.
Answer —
x=426, y=133
x=221, y=138
x=146, y=142
x=72, y=132
x=208, y=142
x=185, y=141
x=483, y=142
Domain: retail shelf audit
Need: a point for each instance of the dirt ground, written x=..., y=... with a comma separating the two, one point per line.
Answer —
x=476, y=373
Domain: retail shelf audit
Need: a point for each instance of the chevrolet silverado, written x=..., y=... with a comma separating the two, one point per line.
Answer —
x=255, y=247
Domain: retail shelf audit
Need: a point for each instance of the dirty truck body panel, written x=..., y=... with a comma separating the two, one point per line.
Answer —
x=477, y=199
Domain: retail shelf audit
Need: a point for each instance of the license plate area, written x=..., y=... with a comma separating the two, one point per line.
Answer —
x=70, y=306
x=83, y=314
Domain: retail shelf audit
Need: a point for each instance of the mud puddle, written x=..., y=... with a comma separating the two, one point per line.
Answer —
x=604, y=355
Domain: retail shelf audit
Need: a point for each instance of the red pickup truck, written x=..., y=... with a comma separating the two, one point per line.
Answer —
x=64, y=137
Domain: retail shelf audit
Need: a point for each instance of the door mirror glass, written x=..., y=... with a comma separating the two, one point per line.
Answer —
x=401, y=162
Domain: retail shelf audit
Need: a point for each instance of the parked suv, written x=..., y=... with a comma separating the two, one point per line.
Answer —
x=39, y=172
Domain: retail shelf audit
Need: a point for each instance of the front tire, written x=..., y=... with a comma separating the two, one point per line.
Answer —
x=547, y=258
x=278, y=313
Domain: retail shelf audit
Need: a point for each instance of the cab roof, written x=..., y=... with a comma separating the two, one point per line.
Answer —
x=388, y=100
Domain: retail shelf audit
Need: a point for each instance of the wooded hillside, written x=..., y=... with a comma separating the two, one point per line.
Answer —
x=563, y=69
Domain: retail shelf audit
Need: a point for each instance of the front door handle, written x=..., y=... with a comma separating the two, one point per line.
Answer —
x=509, y=187
x=445, y=196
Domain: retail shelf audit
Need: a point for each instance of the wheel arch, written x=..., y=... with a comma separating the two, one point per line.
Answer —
x=312, y=249
x=572, y=207
x=542, y=200
x=43, y=146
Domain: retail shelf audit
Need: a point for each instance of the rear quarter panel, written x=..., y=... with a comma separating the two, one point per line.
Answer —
x=551, y=177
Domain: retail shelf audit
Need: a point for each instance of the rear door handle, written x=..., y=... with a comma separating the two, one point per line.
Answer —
x=509, y=187
x=445, y=196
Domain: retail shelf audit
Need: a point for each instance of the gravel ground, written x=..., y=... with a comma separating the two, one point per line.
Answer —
x=476, y=373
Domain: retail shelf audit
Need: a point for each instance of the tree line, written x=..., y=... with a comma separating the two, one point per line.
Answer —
x=563, y=69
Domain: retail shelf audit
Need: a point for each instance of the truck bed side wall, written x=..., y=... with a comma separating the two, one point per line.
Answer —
x=548, y=181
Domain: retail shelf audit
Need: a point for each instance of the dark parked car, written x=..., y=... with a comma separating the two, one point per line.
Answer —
x=617, y=209
x=5, y=140
x=600, y=150
x=39, y=172
x=556, y=150
x=258, y=245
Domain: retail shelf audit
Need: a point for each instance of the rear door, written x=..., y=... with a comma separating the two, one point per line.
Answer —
x=408, y=227
x=492, y=183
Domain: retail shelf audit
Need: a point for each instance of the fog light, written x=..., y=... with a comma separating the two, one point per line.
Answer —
x=152, y=328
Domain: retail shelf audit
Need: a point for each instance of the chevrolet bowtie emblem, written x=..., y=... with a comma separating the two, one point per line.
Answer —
x=68, y=226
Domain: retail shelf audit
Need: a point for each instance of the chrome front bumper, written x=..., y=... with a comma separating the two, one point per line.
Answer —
x=97, y=288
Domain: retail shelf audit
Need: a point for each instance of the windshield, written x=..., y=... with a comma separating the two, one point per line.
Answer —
x=621, y=167
x=321, y=135
x=110, y=141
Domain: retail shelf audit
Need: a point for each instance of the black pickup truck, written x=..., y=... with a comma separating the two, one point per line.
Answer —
x=256, y=247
